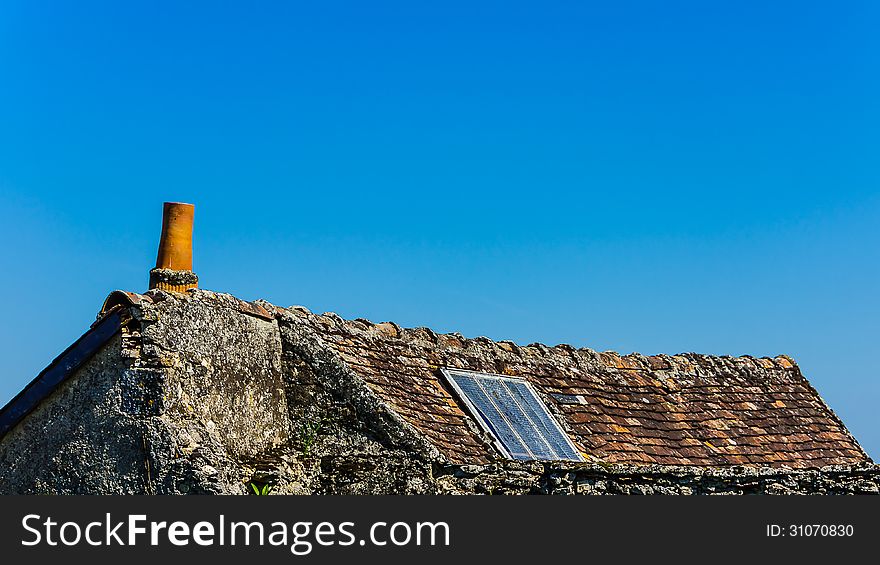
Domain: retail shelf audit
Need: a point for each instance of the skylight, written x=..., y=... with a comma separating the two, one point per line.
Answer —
x=510, y=410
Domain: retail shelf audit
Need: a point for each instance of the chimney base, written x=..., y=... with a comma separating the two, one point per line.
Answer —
x=173, y=281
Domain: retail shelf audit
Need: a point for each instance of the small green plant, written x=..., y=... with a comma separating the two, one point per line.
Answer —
x=259, y=490
x=309, y=434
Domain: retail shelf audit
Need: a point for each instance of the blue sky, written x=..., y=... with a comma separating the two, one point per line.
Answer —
x=636, y=176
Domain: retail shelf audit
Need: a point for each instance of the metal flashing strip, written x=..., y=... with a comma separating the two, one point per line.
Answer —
x=59, y=370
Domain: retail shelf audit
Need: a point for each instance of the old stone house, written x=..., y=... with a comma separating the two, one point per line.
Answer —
x=182, y=390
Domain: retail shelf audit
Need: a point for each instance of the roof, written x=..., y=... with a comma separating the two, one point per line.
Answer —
x=686, y=409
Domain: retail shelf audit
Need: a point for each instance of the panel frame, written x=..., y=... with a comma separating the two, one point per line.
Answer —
x=477, y=415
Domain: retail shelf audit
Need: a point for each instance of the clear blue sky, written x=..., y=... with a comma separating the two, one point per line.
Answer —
x=639, y=176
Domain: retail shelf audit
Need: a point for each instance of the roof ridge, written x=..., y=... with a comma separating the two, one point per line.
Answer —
x=393, y=330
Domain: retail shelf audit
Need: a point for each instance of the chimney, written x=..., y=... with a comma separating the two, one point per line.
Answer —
x=173, y=270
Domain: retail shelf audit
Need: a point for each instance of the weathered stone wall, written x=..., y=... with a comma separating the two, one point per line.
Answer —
x=180, y=401
x=78, y=441
x=221, y=373
x=573, y=478
x=218, y=395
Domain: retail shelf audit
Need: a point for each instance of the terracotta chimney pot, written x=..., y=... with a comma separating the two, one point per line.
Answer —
x=173, y=270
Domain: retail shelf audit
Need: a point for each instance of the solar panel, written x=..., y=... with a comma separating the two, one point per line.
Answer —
x=513, y=413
